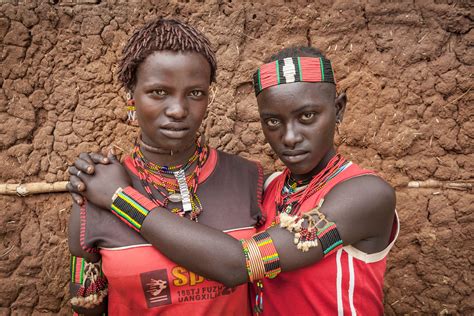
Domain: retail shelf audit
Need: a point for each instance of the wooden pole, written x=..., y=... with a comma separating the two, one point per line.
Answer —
x=32, y=188
x=26, y=189
x=439, y=184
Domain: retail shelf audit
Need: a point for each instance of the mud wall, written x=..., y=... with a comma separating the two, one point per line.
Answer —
x=406, y=66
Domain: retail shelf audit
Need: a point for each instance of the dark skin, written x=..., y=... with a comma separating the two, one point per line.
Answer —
x=171, y=97
x=298, y=121
x=171, y=103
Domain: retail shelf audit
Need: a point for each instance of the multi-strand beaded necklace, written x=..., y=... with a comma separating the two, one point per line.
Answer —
x=294, y=194
x=180, y=189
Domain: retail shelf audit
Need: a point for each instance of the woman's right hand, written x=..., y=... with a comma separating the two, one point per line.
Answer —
x=96, y=178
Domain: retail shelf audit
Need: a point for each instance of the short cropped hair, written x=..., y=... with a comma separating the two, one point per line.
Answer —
x=159, y=35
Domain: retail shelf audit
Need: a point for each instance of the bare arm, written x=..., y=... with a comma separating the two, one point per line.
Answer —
x=362, y=208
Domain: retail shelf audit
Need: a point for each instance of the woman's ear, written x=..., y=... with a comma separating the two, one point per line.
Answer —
x=340, y=104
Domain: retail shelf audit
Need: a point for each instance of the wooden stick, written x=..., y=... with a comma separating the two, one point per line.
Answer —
x=26, y=189
x=32, y=188
x=439, y=184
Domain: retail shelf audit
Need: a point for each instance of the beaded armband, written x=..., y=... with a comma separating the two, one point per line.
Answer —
x=307, y=237
x=261, y=257
x=131, y=207
x=93, y=288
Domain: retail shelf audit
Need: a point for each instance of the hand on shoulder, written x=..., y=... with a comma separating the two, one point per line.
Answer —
x=98, y=180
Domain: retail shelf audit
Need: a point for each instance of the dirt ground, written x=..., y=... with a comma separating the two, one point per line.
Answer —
x=407, y=69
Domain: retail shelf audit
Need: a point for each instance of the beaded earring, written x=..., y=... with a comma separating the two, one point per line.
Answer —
x=131, y=113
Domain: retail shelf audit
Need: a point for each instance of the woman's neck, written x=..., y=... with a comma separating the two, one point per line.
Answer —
x=166, y=157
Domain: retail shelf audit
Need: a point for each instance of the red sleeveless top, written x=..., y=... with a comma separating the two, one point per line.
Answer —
x=142, y=281
x=347, y=282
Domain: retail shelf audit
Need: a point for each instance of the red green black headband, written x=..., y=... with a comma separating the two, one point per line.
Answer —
x=293, y=69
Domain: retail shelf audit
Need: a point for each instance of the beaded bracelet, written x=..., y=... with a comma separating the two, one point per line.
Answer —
x=261, y=257
x=307, y=237
x=131, y=207
x=329, y=238
x=93, y=285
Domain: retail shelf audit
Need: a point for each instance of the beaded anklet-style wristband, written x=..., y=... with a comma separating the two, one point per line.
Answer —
x=329, y=238
x=131, y=207
x=93, y=285
x=261, y=257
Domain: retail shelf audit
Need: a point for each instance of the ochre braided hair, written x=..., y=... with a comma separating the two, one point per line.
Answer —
x=158, y=35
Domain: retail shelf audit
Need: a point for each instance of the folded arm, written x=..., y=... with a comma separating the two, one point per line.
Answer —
x=362, y=208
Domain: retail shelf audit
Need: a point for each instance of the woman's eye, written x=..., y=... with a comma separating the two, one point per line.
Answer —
x=197, y=93
x=159, y=92
x=307, y=116
x=273, y=122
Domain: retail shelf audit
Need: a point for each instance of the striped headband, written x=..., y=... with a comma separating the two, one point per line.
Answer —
x=293, y=69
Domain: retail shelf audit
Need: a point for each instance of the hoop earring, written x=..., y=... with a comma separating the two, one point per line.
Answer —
x=131, y=111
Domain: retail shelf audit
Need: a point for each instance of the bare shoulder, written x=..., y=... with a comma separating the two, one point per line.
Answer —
x=363, y=207
x=368, y=192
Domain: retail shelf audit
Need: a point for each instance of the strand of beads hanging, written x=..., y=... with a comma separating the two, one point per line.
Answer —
x=291, y=199
x=93, y=289
x=311, y=226
x=156, y=176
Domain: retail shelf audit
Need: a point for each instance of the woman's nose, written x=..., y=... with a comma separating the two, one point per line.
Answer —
x=177, y=109
x=291, y=137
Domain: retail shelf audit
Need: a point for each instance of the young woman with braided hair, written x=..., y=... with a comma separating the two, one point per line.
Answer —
x=330, y=224
x=167, y=67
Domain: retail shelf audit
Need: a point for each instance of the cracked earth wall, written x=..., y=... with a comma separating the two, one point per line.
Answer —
x=406, y=67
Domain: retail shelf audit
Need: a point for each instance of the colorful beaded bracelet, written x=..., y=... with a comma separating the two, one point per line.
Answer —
x=131, y=207
x=261, y=257
x=93, y=285
x=329, y=238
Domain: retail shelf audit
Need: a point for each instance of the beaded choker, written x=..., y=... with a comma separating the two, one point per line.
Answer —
x=181, y=189
x=293, y=69
x=290, y=201
x=292, y=185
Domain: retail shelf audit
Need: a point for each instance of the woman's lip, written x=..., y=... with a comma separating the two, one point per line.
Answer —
x=295, y=158
x=174, y=133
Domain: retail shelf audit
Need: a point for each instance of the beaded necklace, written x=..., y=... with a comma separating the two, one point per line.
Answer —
x=291, y=199
x=292, y=185
x=293, y=194
x=182, y=189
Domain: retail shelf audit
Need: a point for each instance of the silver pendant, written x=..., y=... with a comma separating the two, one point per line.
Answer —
x=175, y=197
x=183, y=189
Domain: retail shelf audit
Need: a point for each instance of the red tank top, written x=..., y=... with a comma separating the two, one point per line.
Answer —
x=142, y=281
x=347, y=282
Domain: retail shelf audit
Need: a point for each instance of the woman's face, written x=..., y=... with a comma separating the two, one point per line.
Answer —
x=298, y=120
x=171, y=97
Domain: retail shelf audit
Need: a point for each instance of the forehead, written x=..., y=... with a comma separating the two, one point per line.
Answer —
x=164, y=64
x=292, y=96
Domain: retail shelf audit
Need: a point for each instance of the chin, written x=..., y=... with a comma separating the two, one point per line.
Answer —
x=300, y=170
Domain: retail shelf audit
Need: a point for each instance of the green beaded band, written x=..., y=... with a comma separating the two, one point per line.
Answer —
x=131, y=207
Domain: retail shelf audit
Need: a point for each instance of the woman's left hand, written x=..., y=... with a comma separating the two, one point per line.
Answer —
x=101, y=186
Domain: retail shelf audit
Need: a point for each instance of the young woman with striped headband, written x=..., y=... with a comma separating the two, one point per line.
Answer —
x=330, y=224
